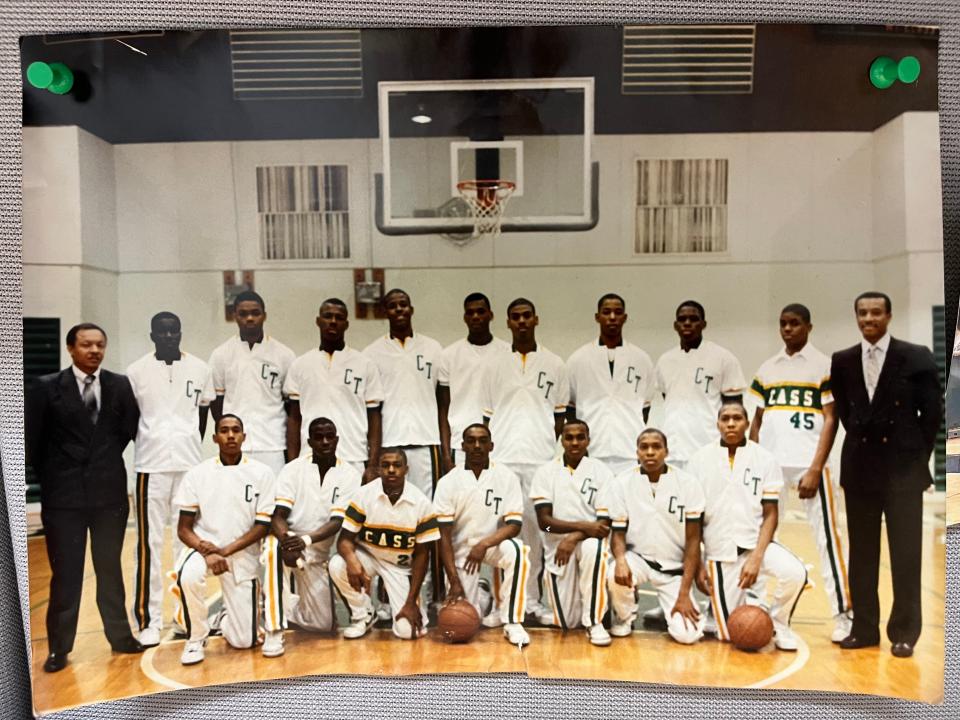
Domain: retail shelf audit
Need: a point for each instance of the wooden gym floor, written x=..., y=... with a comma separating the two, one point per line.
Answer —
x=96, y=674
x=953, y=485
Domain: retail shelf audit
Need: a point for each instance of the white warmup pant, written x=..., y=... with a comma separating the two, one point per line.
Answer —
x=511, y=558
x=578, y=595
x=154, y=494
x=617, y=465
x=779, y=564
x=822, y=512
x=424, y=471
x=394, y=578
x=624, y=599
x=300, y=595
x=274, y=459
x=530, y=533
x=423, y=467
x=241, y=602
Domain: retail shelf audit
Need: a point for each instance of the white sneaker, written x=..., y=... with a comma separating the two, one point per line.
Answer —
x=358, y=628
x=515, y=634
x=622, y=629
x=273, y=643
x=785, y=639
x=149, y=637
x=537, y=608
x=383, y=614
x=654, y=615
x=842, y=625
x=492, y=619
x=546, y=618
x=192, y=652
x=598, y=635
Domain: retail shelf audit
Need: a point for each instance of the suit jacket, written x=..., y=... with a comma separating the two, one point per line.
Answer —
x=891, y=438
x=79, y=464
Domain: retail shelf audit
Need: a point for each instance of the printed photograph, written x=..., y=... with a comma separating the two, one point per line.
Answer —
x=584, y=353
x=953, y=434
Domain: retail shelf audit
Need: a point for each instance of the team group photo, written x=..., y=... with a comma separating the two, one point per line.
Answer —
x=492, y=368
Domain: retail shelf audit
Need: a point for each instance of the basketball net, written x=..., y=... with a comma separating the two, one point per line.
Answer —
x=487, y=200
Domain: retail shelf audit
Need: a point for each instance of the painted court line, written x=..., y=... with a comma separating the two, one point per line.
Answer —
x=803, y=655
x=146, y=665
x=146, y=660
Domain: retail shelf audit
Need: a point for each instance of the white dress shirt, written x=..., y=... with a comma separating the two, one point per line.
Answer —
x=81, y=378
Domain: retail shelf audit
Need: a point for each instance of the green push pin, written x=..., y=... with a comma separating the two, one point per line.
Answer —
x=885, y=71
x=55, y=77
x=908, y=69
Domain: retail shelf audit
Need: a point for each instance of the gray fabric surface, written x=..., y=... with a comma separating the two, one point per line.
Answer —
x=433, y=696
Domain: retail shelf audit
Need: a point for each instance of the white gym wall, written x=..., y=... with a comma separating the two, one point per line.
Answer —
x=113, y=234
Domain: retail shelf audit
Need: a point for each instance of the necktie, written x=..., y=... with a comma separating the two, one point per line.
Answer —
x=90, y=399
x=873, y=371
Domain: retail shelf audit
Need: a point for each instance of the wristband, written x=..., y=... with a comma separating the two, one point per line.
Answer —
x=307, y=540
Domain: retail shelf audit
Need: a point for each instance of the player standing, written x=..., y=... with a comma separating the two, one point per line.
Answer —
x=741, y=485
x=248, y=375
x=172, y=390
x=564, y=492
x=225, y=507
x=409, y=365
x=480, y=513
x=655, y=512
x=796, y=422
x=340, y=383
x=388, y=530
x=312, y=496
x=611, y=386
x=694, y=379
x=462, y=366
x=525, y=400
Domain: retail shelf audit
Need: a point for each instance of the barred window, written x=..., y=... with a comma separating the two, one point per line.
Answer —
x=303, y=212
x=681, y=206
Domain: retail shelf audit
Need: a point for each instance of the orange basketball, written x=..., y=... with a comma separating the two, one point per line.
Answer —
x=458, y=622
x=750, y=627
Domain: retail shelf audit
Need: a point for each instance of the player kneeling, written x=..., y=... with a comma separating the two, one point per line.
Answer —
x=741, y=484
x=225, y=507
x=387, y=532
x=655, y=512
x=564, y=494
x=312, y=494
x=480, y=513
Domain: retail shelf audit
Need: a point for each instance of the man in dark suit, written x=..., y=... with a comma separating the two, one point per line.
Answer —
x=888, y=398
x=78, y=422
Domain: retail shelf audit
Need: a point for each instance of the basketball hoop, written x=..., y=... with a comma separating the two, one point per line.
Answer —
x=487, y=200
